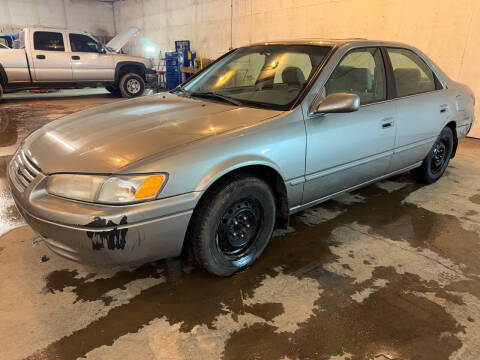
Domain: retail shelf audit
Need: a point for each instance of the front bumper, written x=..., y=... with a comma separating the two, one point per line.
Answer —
x=104, y=235
x=150, y=77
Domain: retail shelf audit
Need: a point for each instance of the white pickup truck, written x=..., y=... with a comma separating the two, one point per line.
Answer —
x=56, y=58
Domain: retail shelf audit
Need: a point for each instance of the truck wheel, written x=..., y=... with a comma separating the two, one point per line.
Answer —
x=115, y=91
x=131, y=85
x=1, y=90
x=233, y=225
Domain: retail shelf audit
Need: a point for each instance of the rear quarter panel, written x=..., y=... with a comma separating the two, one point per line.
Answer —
x=14, y=62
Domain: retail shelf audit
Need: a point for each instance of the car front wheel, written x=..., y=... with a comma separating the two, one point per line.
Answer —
x=131, y=85
x=436, y=162
x=233, y=225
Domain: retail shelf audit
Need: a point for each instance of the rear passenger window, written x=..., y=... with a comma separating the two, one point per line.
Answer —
x=360, y=72
x=412, y=75
x=48, y=41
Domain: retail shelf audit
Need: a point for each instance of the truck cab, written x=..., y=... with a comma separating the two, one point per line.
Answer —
x=63, y=58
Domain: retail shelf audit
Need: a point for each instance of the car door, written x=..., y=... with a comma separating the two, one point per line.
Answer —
x=90, y=62
x=50, y=61
x=344, y=150
x=422, y=108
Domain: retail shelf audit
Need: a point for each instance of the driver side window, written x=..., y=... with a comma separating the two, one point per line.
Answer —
x=361, y=72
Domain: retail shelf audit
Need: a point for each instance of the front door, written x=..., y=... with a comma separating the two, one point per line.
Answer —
x=89, y=61
x=50, y=61
x=344, y=150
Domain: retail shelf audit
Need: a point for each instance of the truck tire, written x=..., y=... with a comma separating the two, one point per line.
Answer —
x=131, y=85
x=115, y=91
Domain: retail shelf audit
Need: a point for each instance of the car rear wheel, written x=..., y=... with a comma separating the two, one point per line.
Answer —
x=436, y=162
x=114, y=90
x=233, y=225
x=131, y=85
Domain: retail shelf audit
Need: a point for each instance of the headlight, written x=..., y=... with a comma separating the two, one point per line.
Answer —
x=121, y=189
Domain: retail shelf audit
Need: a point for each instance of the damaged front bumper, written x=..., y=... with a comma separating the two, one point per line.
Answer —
x=104, y=235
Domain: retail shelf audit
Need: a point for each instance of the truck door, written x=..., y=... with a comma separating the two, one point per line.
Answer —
x=50, y=61
x=90, y=62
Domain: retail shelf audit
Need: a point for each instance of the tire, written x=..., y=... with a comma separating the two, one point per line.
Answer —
x=115, y=91
x=436, y=162
x=1, y=90
x=233, y=225
x=131, y=85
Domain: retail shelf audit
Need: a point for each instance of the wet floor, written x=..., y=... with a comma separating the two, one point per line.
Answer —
x=388, y=272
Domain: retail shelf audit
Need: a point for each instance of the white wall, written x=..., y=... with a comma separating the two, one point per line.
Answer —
x=89, y=15
x=447, y=30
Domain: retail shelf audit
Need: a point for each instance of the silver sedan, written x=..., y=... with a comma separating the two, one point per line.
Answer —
x=211, y=167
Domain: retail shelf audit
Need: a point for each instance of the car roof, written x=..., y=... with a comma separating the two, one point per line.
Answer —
x=334, y=42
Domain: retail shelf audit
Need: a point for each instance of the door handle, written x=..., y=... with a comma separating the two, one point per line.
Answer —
x=41, y=57
x=443, y=108
x=388, y=122
x=75, y=57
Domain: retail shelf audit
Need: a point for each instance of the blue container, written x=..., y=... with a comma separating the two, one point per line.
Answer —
x=173, y=75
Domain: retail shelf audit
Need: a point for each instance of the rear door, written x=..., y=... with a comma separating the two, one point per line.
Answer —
x=344, y=150
x=89, y=61
x=51, y=63
x=422, y=107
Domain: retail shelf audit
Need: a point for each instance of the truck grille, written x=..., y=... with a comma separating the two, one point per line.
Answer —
x=24, y=171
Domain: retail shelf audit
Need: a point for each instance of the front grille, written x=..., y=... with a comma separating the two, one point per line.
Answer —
x=24, y=170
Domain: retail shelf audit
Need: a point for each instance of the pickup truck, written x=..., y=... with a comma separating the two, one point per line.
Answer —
x=61, y=59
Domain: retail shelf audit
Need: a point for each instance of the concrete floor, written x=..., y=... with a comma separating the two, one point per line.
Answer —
x=388, y=272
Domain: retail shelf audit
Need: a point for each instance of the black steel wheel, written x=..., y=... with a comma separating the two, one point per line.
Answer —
x=437, y=160
x=232, y=225
x=239, y=227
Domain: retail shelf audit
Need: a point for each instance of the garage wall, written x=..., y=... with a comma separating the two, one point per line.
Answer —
x=89, y=15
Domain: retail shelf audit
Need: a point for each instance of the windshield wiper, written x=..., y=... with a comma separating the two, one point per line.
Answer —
x=214, y=95
x=180, y=88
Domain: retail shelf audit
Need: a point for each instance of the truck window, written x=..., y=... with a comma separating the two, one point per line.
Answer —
x=48, y=41
x=82, y=43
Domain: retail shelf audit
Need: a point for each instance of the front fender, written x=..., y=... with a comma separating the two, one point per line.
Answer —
x=232, y=164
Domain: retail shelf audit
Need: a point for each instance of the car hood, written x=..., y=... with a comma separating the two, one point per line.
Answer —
x=107, y=138
x=122, y=38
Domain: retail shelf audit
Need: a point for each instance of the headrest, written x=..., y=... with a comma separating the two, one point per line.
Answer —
x=293, y=76
x=405, y=74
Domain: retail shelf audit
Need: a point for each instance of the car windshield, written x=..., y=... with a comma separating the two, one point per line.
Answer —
x=265, y=75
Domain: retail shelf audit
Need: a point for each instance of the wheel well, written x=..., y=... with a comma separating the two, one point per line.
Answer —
x=267, y=174
x=453, y=126
x=3, y=76
x=131, y=68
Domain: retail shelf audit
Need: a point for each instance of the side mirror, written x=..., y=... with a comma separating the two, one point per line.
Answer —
x=336, y=103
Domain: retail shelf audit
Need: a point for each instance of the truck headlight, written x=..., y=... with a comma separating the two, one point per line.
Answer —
x=118, y=189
